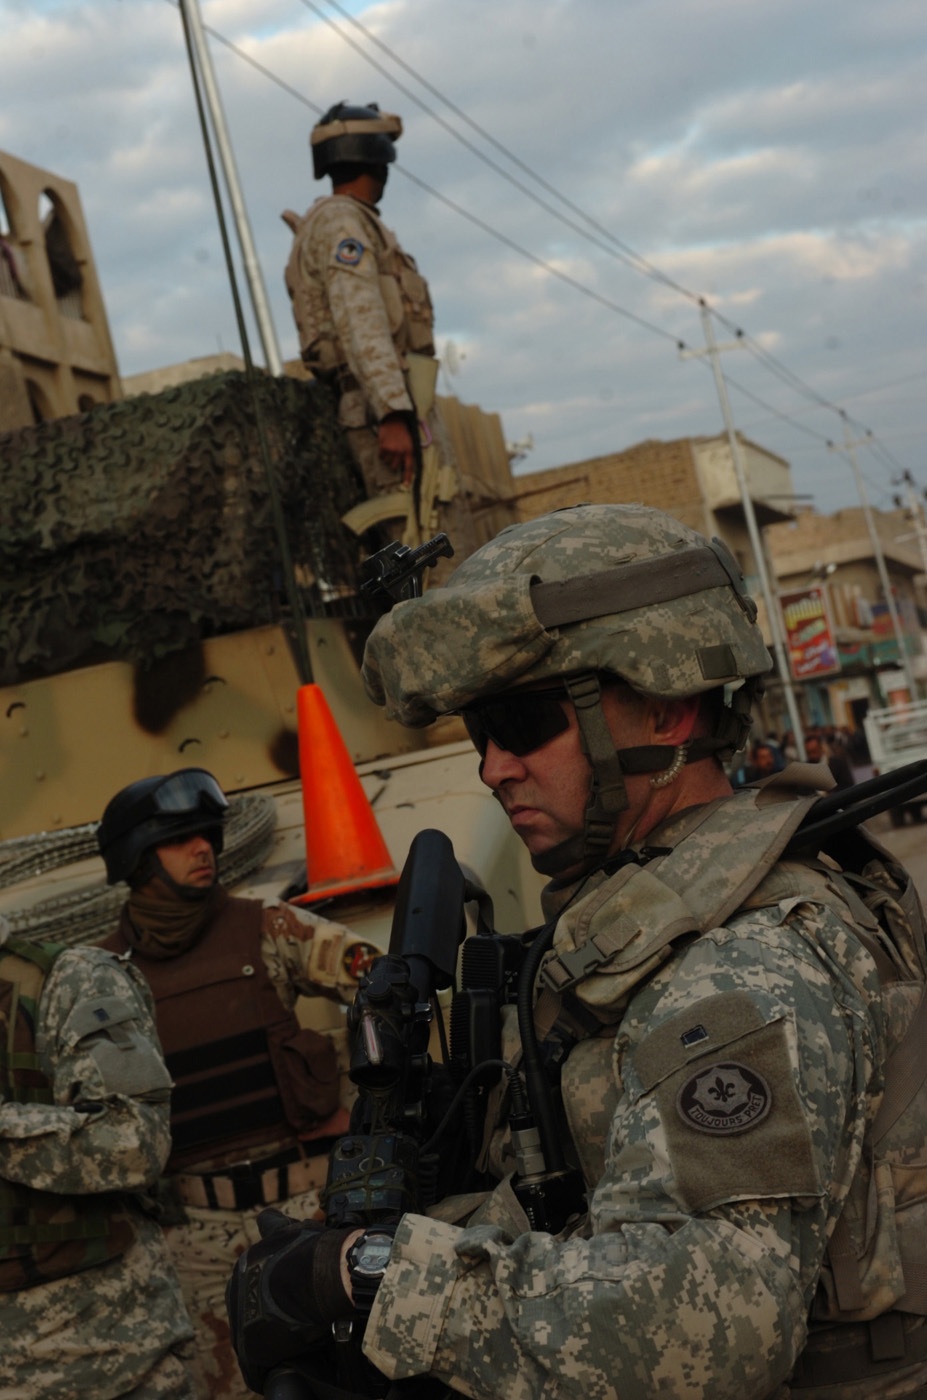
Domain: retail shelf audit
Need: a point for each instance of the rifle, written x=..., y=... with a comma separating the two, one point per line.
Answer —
x=388, y=1163
x=395, y=572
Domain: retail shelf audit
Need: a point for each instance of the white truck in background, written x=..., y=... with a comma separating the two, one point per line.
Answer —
x=896, y=736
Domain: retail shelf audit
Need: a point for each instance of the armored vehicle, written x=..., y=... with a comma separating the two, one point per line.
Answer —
x=175, y=571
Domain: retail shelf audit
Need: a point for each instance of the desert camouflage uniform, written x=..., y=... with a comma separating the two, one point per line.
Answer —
x=360, y=304
x=715, y=1176
x=120, y=1329
x=306, y=954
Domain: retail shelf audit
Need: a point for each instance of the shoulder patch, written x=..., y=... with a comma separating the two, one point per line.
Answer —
x=724, y=1099
x=357, y=959
x=723, y=1084
x=349, y=252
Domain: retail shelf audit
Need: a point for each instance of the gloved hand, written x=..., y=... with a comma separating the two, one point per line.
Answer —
x=285, y=1293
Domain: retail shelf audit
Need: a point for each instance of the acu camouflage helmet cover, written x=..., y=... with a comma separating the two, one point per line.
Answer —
x=624, y=589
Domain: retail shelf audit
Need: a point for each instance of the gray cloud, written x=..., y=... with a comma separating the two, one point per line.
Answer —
x=766, y=156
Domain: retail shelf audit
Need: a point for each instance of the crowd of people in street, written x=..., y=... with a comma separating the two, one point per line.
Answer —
x=841, y=748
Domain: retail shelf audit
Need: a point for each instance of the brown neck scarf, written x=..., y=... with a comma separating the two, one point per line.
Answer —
x=163, y=926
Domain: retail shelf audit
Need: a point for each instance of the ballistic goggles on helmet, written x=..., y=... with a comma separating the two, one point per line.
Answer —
x=519, y=722
x=189, y=792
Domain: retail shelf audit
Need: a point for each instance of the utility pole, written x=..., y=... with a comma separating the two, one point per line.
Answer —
x=848, y=447
x=771, y=597
x=916, y=512
x=252, y=267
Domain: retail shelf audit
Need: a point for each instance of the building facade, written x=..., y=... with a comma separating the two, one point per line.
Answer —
x=832, y=557
x=56, y=353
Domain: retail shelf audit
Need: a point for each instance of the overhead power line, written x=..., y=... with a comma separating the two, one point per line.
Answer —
x=616, y=246
x=612, y=245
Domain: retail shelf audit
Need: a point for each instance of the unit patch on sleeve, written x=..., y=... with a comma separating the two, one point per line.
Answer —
x=733, y=1123
x=724, y=1099
x=349, y=252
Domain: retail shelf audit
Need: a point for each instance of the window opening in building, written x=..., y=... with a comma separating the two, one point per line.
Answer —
x=38, y=401
x=67, y=278
x=14, y=277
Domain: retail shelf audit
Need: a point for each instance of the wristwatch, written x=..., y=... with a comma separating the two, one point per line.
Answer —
x=366, y=1259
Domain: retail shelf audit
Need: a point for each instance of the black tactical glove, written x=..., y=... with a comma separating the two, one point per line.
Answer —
x=285, y=1293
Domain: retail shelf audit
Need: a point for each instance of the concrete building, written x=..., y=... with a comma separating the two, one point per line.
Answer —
x=833, y=556
x=56, y=353
x=691, y=478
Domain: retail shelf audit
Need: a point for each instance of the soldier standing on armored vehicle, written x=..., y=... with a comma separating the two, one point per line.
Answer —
x=734, y=1040
x=255, y=1095
x=364, y=316
x=89, y=1303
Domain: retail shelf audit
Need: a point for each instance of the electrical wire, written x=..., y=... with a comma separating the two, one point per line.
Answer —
x=614, y=246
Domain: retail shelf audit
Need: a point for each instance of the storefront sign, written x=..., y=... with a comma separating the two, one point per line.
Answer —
x=810, y=636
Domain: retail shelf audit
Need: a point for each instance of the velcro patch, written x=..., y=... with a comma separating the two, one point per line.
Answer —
x=734, y=1124
x=349, y=252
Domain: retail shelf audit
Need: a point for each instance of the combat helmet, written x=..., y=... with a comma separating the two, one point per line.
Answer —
x=580, y=595
x=156, y=812
x=348, y=135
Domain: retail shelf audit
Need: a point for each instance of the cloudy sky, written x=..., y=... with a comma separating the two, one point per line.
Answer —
x=573, y=177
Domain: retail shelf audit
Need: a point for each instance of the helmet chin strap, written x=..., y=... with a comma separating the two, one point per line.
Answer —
x=608, y=795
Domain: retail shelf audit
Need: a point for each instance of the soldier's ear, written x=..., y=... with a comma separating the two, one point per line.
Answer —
x=674, y=720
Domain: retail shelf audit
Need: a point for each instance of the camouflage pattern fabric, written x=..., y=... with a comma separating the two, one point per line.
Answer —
x=480, y=633
x=359, y=303
x=120, y=1329
x=204, y=1250
x=307, y=953
x=720, y=1121
x=135, y=530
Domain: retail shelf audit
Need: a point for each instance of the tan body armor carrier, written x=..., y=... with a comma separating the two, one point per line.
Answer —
x=867, y=1320
x=402, y=287
x=43, y=1236
x=245, y=1072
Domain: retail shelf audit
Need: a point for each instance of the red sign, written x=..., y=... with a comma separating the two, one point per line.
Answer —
x=810, y=636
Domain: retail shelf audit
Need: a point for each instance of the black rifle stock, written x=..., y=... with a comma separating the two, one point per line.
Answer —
x=376, y=1170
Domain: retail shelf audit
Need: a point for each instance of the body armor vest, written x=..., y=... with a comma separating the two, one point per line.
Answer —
x=43, y=1236
x=618, y=935
x=245, y=1072
x=402, y=287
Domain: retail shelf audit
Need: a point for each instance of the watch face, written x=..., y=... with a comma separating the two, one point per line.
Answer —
x=371, y=1254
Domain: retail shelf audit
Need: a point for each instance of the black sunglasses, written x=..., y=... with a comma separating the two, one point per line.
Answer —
x=519, y=722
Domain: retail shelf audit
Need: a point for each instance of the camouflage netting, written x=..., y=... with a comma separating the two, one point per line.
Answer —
x=139, y=528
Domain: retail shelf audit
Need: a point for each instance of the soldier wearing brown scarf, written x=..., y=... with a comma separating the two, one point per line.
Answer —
x=256, y=1094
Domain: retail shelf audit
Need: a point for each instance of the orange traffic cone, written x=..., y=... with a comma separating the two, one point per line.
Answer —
x=345, y=850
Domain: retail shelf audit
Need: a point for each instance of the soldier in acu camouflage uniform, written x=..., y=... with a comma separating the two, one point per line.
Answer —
x=364, y=316
x=728, y=1012
x=89, y=1303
